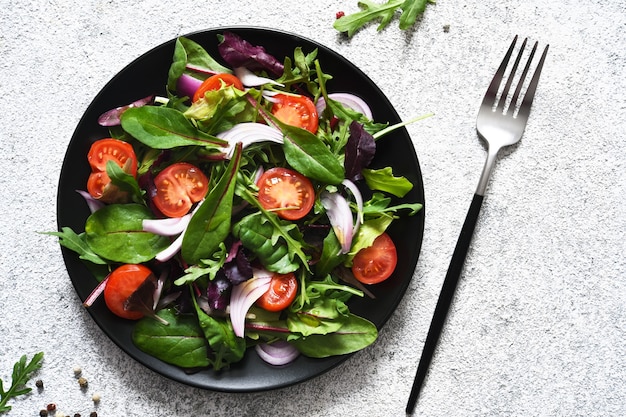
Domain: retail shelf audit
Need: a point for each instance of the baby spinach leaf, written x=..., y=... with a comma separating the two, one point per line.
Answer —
x=322, y=316
x=226, y=348
x=115, y=232
x=331, y=256
x=384, y=180
x=181, y=342
x=307, y=154
x=124, y=181
x=162, y=127
x=210, y=225
x=186, y=52
x=355, y=334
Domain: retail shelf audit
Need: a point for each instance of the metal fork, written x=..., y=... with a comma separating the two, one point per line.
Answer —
x=500, y=122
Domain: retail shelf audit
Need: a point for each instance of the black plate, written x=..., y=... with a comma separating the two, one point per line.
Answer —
x=147, y=75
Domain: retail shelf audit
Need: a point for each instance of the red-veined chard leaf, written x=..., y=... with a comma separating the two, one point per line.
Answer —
x=355, y=334
x=115, y=232
x=210, y=225
x=164, y=128
x=307, y=154
x=181, y=342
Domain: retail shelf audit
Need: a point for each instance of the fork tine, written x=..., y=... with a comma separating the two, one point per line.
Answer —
x=518, y=89
x=505, y=91
x=524, y=109
x=492, y=90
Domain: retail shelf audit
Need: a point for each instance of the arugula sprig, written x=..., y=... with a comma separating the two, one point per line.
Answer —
x=21, y=373
x=371, y=11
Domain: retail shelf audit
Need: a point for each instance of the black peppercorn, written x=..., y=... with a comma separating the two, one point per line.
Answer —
x=39, y=384
x=43, y=413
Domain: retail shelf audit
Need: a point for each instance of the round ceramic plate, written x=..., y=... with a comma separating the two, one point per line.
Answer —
x=148, y=75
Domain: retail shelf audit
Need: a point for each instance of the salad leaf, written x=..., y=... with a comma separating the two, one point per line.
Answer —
x=238, y=52
x=226, y=348
x=275, y=242
x=21, y=373
x=368, y=232
x=181, y=342
x=322, y=316
x=161, y=127
x=385, y=12
x=307, y=154
x=115, y=232
x=360, y=151
x=210, y=225
x=76, y=242
x=384, y=180
x=187, y=52
x=379, y=204
x=124, y=181
x=354, y=334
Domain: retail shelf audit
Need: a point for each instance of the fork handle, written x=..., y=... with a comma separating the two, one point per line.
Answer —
x=445, y=298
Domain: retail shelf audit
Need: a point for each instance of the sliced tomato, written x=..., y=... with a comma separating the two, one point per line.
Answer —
x=287, y=192
x=101, y=152
x=215, y=82
x=281, y=293
x=296, y=110
x=109, y=149
x=178, y=187
x=121, y=283
x=376, y=263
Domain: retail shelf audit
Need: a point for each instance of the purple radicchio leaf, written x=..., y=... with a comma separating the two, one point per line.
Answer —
x=144, y=298
x=238, y=269
x=360, y=150
x=239, y=53
x=218, y=293
x=112, y=117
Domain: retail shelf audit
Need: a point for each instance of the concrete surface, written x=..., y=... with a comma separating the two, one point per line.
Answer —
x=538, y=327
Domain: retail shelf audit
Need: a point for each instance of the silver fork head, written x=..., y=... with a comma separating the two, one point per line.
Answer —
x=501, y=121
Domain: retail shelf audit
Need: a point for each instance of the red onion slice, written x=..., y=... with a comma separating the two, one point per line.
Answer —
x=248, y=133
x=278, y=353
x=250, y=79
x=340, y=216
x=349, y=100
x=244, y=295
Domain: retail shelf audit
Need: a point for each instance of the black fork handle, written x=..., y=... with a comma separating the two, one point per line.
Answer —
x=445, y=298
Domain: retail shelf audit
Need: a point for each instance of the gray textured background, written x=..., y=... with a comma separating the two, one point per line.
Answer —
x=538, y=326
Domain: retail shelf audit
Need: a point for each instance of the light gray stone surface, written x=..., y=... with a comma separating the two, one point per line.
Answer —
x=538, y=327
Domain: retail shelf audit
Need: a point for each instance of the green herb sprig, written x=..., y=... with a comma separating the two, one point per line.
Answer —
x=371, y=11
x=21, y=373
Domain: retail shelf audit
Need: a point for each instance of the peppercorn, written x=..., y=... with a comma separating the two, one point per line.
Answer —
x=51, y=407
x=39, y=384
x=82, y=382
x=95, y=397
x=77, y=370
x=93, y=414
x=43, y=413
x=77, y=415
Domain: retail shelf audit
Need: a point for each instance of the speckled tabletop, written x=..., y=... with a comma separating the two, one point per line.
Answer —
x=538, y=325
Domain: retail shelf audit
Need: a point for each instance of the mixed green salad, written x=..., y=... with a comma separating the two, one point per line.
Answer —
x=239, y=210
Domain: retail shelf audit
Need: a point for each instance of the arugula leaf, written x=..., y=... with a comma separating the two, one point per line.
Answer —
x=76, y=242
x=276, y=243
x=21, y=373
x=371, y=11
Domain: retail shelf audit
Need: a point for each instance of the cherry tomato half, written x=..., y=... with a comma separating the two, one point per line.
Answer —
x=376, y=263
x=178, y=187
x=121, y=283
x=109, y=149
x=101, y=152
x=286, y=191
x=296, y=110
x=215, y=82
x=283, y=290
